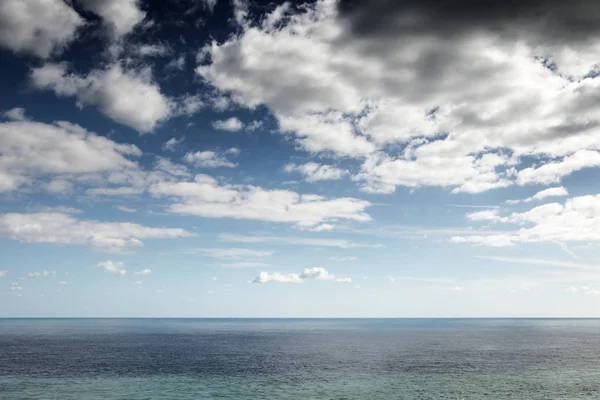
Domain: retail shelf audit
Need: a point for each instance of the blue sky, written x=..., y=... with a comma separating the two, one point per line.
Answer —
x=204, y=158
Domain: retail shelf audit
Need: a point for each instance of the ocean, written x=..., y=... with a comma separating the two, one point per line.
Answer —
x=299, y=359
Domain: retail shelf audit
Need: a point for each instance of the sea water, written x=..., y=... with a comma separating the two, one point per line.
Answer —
x=299, y=359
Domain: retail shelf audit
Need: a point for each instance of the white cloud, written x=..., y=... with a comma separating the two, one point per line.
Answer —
x=3, y=273
x=542, y=194
x=172, y=144
x=242, y=264
x=213, y=278
x=553, y=172
x=15, y=114
x=265, y=277
x=207, y=198
x=537, y=261
x=577, y=220
x=254, y=126
x=61, y=283
x=177, y=63
x=232, y=253
x=128, y=97
x=15, y=286
x=31, y=150
x=39, y=27
x=116, y=268
x=232, y=124
x=126, y=209
x=153, y=50
x=211, y=159
x=469, y=112
x=316, y=273
x=314, y=172
x=343, y=259
x=144, y=272
x=60, y=228
x=120, y=16
x=40, y=274
x=304, y=241
x=59, y=209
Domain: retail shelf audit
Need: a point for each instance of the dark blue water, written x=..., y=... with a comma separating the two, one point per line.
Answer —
x=304, y=359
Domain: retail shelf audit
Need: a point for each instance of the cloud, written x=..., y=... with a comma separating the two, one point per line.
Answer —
x=119, y=16
x=129, y=97
x=112, y=267
x=304, y=241
x=177, y=63
x=38, y=27
x=15, y=286
x=242, y=264
x=126, y=209
x=57, y=228
x=59, y=209
x=343, y=259
x=32, y=150
x=3, y=273
x=41, y=274
x=467, y=106
x=577, y=220
x=314, y=172
x=536, y=261
x=232, y=124
x=153, y=50
x=316, y=273
x=144, y=272
x=61, y=283
x=276, y=277
x=211, y=159
x=172, y=144
x=542, y=194
x=207, y=198
x=232, y=253
x=15, y=114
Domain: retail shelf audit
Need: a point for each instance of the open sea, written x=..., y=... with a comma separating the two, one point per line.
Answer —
x=299, y=359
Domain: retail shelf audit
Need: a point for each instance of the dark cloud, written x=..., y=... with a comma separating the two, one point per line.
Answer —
x=544, y=20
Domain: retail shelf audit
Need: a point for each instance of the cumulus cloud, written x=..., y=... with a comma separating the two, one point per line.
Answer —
x=15, y=114
x=542, y=194
x=577, y=220
x=15, y=286
x=172, y=144
x=38, y=27
x=119, y=16
x=57, y=228
x=469, y=105
x=211, y=159
x=314, y=172
x=144, y=272
x=129, y=97
x=265, y=277
x=31, y=150
x=232, y=124
x=207, y=198
x=116, y=268
x=316, y=273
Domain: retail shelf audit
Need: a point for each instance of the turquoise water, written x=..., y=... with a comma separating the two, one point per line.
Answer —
x=299, y=359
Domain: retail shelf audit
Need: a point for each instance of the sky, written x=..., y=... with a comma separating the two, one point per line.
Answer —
x=233, y=158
